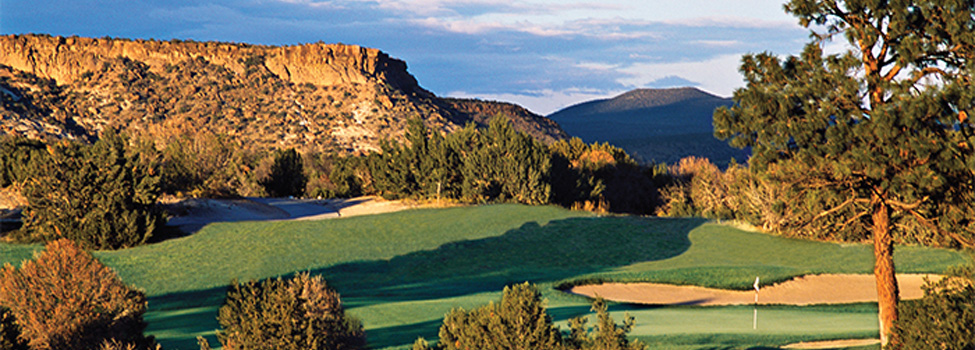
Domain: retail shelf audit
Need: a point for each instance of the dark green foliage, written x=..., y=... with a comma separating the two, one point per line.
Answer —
x=943, y=319
x=15, y=157
x=496, y=164
x=499, y=164
x=10, y=332
x=874, y=142
x=519, y=321
x=97, y=196
x=287, y=176
x=607, y=335
x=300, y=313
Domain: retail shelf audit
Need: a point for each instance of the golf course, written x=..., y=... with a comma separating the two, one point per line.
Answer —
x=400, y=272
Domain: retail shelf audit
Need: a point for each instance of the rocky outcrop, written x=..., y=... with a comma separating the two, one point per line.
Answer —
x=315, y=97
x=66, y=59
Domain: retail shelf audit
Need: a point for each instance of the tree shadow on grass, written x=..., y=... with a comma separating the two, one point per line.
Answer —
x=559, y=250
x=556, y=251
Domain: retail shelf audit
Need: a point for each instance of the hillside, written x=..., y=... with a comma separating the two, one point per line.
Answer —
x=661, y=125
x=317, y=97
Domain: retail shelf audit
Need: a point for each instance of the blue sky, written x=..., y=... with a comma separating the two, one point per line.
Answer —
x=542, y=54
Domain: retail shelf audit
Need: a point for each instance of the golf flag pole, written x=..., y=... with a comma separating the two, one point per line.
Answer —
x=755, y=309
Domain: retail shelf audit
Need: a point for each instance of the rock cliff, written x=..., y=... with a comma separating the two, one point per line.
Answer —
x=65, y=59
x=318, y=97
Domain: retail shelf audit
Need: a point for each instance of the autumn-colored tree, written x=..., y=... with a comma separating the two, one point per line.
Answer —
x=300, y=313
x=10, y=338
x=66, y=299
x=877, y=136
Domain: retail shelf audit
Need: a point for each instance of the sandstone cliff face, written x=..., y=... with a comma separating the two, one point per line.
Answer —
x=66, y=59
x=316, y=97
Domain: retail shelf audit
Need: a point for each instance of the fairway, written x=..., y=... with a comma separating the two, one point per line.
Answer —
x=401, y=272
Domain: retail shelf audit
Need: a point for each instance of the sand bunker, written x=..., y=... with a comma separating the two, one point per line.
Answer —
x=832, y=344
x=191, y=214
x=806, y=290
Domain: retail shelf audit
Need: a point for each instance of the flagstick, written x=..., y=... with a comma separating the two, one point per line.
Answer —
x=755, y=309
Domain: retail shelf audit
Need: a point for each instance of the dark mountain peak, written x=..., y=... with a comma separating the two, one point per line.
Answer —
x=645, y=98
x=661, y=125
x=640, y=99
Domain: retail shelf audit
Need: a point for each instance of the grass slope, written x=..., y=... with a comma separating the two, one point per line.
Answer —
x=401, y=272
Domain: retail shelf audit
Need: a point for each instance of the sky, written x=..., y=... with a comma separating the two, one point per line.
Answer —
x=542, y=54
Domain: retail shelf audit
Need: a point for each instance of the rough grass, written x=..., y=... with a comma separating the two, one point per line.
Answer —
x=401, y=272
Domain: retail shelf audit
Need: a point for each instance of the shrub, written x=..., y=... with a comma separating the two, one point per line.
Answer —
x=519, y=321
x=66, y=299
x=943, y=319
x=287, y=176
x=607, y=335
x=95, y=195
x=9, y=332
x=299, y=313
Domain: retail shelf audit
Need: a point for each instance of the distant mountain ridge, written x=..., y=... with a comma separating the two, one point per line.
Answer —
x=316, y=97
x=639, y=99
x=654, y=125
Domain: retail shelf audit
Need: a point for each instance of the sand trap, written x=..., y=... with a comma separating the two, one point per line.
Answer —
x=832, y=344
x=806, y=290
x=191, y=214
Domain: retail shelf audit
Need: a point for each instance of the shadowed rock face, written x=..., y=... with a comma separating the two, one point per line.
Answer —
x=320, y=97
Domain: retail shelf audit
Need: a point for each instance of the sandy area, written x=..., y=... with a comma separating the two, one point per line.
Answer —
x=832, y=344
x=807, y=290
x=191, y=214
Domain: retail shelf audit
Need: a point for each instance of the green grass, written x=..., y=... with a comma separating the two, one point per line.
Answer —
x=401, y=272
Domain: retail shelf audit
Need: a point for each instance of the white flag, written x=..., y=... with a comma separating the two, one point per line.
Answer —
x=756, y=284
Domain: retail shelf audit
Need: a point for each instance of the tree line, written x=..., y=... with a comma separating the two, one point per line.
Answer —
x=498, y=164
x=103, y=195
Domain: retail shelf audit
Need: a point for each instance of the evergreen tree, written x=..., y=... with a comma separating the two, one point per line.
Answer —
x=944, y=318
x=607, y=335
x=15, y=157
x=878, y=137
x=300, y=313
x=518, y=322
x=287, y=176
x=95, y=195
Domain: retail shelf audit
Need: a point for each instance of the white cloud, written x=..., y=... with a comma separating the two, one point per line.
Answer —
x=717, y=43
x=543, y=102
x=718, y=75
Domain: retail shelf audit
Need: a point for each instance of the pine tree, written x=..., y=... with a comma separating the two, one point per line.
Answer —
x=299, y=313
x=877, y=137
x=287, y=176
x=518, y=322
x=96, y=195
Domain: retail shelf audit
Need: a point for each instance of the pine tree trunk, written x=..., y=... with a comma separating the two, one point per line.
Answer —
x=883, y=251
